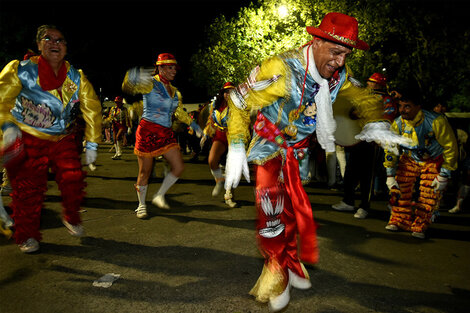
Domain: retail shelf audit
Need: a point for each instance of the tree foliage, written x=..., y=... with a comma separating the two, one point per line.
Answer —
x=419, y=40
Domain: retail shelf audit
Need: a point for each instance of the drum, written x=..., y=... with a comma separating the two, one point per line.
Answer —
x=346, y=127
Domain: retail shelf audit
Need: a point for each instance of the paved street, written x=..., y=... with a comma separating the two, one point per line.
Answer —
x=201, y=256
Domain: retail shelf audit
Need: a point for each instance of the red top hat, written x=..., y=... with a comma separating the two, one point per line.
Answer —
x=228, y=85
x=166, y=59
x=340, y=28
x=379, y=79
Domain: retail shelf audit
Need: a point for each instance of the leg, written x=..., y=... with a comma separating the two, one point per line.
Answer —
x=402, y=214
x=28, y=190
x=428, y=200
x=175, y=159
x=217, y=150
x=270, y=232
x=66, y=164
x=331, y=168
x=145, y=168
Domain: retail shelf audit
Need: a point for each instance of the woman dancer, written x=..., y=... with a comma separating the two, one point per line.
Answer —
x=216, y=128
x=121, y=123
x=154, y=136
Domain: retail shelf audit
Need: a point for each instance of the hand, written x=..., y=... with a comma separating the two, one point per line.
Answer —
x=10, y=135
x=392, y=183
x=203, y=141
x=439, y=183
x=235, y=166
x=197, y=129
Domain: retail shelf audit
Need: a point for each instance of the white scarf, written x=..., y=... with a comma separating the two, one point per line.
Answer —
x=326, y=124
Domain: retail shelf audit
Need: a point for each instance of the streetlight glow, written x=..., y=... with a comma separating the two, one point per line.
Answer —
x=282, y=11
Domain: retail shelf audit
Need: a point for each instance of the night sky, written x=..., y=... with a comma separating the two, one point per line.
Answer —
x=105, y=38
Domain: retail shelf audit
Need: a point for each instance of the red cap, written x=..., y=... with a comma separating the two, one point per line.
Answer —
x=378, y=78
x=166, y=59
x=228, y=85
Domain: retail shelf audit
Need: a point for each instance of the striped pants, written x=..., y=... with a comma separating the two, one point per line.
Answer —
x=416, y=215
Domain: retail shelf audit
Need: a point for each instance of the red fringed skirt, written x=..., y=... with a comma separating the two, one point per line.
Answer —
x=153, y=140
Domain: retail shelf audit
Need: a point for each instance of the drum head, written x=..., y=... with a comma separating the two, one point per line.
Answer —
x=346, y=128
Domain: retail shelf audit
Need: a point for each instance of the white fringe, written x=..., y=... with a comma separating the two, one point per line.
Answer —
x=381, y=134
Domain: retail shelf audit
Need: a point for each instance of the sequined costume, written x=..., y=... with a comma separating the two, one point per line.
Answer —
x=433, y=152
x=216, y=126
x=46, y=120
x=285, y=122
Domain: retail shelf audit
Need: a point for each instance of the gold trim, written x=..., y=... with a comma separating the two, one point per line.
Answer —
x=342, y=39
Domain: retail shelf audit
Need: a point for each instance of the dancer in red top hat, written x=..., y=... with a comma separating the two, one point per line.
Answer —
x=287, y=117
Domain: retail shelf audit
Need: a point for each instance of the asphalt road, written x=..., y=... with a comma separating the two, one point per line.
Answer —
x=201, y=256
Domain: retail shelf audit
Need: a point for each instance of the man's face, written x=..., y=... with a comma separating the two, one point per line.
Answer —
x=329, y=57
x=167, y=71
x=373, y=85
x=53, y=46
x=408, y=109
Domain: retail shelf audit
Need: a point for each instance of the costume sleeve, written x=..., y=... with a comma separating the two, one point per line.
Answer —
x=137, y=81
x=265, y=85
x=446, y=138
x=180, y=113
x=390, y=159
x=10, y=88
x=90, y=106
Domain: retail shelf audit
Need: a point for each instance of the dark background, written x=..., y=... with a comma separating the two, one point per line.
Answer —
x=105, y=38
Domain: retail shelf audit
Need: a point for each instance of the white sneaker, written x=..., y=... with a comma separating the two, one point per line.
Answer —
x=418, y=235
x=218, y=188
x=29, y=246
x=159, y=201
x=298, y=282
x=361, y=213
x=341, y=206
x=281, y=301
x=391, y=227
x=74, y=230
x=141, y=211
x=454, y=210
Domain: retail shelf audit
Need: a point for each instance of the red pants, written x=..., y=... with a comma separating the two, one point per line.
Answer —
x=276, y=223
x=403, y=215
x=29, y=182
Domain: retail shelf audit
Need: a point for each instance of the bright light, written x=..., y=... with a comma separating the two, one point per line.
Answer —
x=282, y=11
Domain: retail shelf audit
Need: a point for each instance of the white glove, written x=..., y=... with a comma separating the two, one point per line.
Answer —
x=10, y=135
x=235, y=165
x=91, y=152
x=90, y=156
x=439, y=183
x=392, y=182
x=203, y=141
